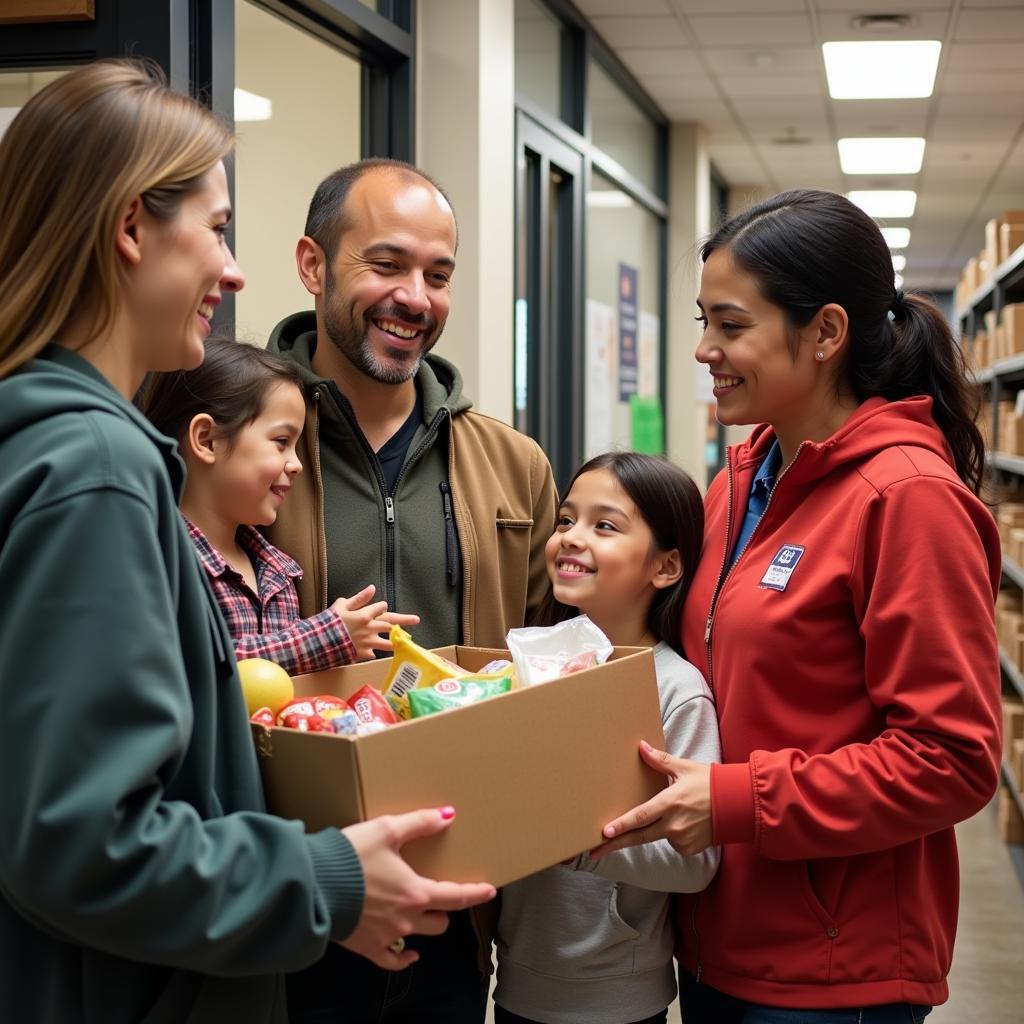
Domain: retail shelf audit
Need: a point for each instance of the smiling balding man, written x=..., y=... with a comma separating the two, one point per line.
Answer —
x=446, y=511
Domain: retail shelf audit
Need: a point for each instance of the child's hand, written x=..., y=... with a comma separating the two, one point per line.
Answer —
x=367, y=622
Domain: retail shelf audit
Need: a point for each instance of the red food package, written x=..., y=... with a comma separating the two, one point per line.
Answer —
x=301, y=706
x=306, y=723
x=371, y=706
x=262, y=716
x=328, y=706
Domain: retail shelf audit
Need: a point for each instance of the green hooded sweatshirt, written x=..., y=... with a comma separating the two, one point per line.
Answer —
x=404, y=542
x=140, y=878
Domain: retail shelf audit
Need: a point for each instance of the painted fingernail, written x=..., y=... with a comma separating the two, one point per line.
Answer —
x=609, y=831
x=447, y=812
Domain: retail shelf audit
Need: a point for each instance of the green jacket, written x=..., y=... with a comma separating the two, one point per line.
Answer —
x=469, y=560
x=140, y=878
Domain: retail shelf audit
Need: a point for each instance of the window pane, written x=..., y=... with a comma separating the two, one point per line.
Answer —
x=539, y=44
x=623, y=326
x=620, y=128
x=293, y=130
x=17, y=88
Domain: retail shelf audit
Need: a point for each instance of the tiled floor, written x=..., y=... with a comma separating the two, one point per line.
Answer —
x=986, y=984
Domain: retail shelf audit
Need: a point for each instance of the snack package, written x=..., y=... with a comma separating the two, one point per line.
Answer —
x=542, y=653
x=369, y=705
x=413, y=667
x=262, y=716
x=456, y=693
x=311, y=714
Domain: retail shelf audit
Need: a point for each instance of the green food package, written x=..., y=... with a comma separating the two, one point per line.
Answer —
x=456, y=693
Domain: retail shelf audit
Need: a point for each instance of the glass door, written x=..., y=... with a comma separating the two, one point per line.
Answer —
x=548, y=332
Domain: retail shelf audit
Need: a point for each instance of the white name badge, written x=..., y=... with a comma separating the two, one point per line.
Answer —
x=783, y=564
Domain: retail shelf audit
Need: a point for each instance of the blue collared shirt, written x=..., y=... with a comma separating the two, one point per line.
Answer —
x=760, y=492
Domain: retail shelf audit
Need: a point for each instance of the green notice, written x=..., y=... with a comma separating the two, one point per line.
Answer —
x=648, y=425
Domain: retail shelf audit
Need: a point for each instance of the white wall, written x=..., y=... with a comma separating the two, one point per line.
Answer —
x=465, y=138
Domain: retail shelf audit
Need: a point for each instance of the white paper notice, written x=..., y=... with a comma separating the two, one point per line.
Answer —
x=647, y=344
x=597, y=429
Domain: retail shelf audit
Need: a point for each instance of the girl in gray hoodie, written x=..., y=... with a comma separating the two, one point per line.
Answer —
x=590, y=942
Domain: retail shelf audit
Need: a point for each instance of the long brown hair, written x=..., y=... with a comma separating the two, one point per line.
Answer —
x=70, y=163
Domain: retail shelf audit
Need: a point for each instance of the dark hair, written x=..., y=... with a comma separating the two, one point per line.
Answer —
x=230, y=385
x=671, y=506
x=808, y=248
x=327, y=219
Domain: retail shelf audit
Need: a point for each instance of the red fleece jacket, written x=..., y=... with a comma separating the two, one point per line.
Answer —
x=857, y=686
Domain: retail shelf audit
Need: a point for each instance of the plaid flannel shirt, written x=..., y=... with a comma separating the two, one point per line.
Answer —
x=267, y=624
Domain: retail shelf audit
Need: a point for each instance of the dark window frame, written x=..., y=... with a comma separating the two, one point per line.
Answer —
x=581, y=42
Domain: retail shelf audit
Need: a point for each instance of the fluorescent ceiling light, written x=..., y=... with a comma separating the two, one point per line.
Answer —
x=881, y=156
x=613, y=199
x=898, y=278
x=881, y=70
x=899, y=261
x=250, y=107
x=885, y=203
x=896, y=238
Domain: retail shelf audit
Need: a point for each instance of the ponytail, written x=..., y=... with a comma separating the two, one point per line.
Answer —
x=915, y=354
x=808, y=248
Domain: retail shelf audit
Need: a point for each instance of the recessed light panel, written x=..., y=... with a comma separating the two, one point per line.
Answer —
x=899, y=261
x=881, y=70
x=881, y=156
x=885, y=202
x=896, y=238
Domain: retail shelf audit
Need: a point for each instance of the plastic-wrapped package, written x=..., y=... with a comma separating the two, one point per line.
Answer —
x=542, y=653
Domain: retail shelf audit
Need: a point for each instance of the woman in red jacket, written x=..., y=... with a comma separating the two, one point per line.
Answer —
x=842, y=612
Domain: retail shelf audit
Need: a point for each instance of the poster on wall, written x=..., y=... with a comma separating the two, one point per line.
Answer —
x=647, y=425
x=647, y=355
x=627, y=332
x=597, y=429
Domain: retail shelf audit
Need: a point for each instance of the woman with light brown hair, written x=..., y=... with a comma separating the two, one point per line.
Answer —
x=140, y=878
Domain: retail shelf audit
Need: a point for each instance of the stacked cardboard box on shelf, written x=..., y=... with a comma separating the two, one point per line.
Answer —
x=1011, y=822
x=1003, y=236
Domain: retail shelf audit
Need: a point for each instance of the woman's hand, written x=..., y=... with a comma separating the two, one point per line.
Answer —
x=681, y=813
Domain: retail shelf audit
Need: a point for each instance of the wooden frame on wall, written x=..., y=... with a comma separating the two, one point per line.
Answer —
x=15, y=12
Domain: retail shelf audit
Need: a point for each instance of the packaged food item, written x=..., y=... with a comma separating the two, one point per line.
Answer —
x=345, y=724
x=456, y=693
x=306, y=723
x=542, y=653
x=369, y=705
x=412, y=667
x=262, y=716
x=328, y=706
x=301, y=707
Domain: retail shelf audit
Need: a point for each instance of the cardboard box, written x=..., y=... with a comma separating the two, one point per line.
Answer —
x=1017, y=761
x=1013, y=724
x=1011, y=238
x=992, y=244
x=533, y=774
x=1011, y=822
x=1012, y=320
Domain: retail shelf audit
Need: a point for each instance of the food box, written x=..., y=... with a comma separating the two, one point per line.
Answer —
x=533, y=774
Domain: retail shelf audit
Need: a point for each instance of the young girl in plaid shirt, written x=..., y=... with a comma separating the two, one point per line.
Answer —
x=236, y=419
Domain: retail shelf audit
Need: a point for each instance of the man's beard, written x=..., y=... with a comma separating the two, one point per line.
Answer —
x=350, y=337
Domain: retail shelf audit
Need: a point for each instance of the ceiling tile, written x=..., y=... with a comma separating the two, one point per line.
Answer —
x=735, y=6
x=983, y=56
x=695, y=108
x=852, y=8
x=762, y=61
x=985, y=83
x=598, y=8
x=657, y=33
x=962, y=127
x=752, y=30
x=783, y=85
x=928, y=24
x=668, y=87
x=815, y=128
x=751, y=108
x=995, y=25
x=971, y=106
x=644, y=60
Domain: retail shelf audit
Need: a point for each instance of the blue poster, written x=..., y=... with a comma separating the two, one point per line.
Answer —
x=627, y=332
